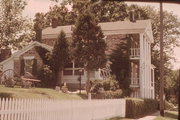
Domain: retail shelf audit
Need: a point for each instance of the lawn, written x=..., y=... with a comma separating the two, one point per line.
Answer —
x=38, y=93
x=169, y=115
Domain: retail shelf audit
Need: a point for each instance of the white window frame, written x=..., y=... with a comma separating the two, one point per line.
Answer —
x=73, y=70
x=25, y=59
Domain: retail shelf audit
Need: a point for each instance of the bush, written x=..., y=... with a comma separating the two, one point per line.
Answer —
x=113, y=94
x=140, y=107
x=107, y=85
x=106, y=89
x=9, y=82
x=45, y=74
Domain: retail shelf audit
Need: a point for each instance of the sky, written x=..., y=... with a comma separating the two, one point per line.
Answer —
x=35, y=6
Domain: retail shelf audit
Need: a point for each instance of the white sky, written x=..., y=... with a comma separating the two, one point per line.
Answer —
x=35, y=6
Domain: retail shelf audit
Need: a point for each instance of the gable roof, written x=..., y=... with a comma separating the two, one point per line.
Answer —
x=4, y=54
x=25, y=49
x=108, y=28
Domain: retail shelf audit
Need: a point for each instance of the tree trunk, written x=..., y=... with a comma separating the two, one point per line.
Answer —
x=59, y=78
x=88, y=82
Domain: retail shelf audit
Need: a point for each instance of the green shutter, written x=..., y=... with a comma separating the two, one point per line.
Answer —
x=22, y=65
x=34, y=67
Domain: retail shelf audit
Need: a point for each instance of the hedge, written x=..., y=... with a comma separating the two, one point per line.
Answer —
x=140, y=107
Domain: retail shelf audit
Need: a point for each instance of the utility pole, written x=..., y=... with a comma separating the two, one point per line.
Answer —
x=179, y=98
x=161, y=62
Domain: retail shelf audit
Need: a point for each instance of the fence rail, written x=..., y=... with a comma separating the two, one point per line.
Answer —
x=31, y=109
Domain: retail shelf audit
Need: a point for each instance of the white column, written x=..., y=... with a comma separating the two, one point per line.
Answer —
x=141, y=72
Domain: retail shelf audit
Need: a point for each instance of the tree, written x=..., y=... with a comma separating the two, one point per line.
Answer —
x=88, y=44
x=15, y=30
x=60, y=56
x=121, y=63
x=106, y=11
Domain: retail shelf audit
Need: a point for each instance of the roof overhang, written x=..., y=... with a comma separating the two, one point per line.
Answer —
x=25, y=49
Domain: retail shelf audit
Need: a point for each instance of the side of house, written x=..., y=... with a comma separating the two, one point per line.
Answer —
x=141, y=74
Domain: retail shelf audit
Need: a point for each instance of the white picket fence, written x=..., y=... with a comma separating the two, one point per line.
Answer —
x=31, y=109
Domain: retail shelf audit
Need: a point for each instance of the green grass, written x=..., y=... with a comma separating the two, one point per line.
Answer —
x=38, y=93
x=169, y=115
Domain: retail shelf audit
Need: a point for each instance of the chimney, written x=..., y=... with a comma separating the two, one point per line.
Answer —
x=132, y=16
x=38, y=35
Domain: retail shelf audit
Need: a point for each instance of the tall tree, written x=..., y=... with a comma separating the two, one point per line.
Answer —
x=60, y=56
x=121, y=63
x=15, y=30
x=88, y=44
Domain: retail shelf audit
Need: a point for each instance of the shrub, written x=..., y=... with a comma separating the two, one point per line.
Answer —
x=107, y=85
x=113, y=94
x=9, y=82
x=140, y=107
x=107, y=89
x=45, y=74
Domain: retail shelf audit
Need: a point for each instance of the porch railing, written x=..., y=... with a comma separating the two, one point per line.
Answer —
x=134, y=81
x=134, y=52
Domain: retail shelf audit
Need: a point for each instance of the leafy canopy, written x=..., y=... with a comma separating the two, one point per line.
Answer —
x=15, y=30
x=88, y=42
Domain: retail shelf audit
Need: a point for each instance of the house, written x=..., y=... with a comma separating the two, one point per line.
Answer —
x=141, y=37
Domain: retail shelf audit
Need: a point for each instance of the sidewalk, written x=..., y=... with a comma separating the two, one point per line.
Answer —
x=150, y=117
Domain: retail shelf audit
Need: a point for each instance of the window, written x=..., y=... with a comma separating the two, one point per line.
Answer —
x=28, y=64
x=73, y=69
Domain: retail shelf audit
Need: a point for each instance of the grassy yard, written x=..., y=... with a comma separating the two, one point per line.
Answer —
x=169, y=115
x=38, y=93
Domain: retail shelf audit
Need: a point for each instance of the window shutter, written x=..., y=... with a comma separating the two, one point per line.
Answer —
x=22, y=65
x=34, y=67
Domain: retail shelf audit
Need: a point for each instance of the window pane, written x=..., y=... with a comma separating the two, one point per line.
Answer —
x=28, y=65
x=76, y=72
x=68, y=72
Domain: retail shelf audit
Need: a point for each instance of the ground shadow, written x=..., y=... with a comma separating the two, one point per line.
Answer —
x=83, y=96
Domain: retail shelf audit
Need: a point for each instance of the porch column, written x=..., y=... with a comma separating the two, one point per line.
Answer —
x=141, y=66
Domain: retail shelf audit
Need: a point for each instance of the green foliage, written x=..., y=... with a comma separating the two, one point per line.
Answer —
x=9, y=82
x=121, y=63
x=88, y=44
x=44, y=54
x=60, y=56
x=140, y=107
x=107, y=85
x=46, y=75
x=113, y=94
x=107, y=89
x=16, y=30
x=106, y=11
